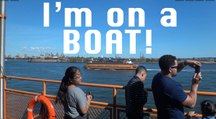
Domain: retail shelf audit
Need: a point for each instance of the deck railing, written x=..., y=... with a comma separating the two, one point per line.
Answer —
x=94, y=104
x=114, y=109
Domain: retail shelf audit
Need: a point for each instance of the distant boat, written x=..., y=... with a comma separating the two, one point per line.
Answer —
x=44, y=60
x=111, y=66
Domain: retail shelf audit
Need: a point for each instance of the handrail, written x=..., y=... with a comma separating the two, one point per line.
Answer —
x=57, y=81
x=33, y=79
x=97, y=85
x=114, y=87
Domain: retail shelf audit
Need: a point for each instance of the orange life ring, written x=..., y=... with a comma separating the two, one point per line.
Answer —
x=42, y=99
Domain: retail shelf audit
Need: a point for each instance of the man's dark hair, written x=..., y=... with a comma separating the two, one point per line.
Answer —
x=140, y=69
x=166, y=61
x=208, y=108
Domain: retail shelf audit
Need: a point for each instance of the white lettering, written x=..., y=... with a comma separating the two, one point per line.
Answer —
x=169, y=20
x=78, y=13
x=46, y=14
x=131, y=17
x=110, y=41
x=74, y=41
x=132, y=34
x=88, y=43
x=119, y=17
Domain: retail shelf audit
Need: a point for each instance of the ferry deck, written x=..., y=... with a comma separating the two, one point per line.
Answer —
x=16, y=101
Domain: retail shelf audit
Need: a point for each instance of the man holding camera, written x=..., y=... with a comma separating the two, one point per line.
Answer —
x=169, y=96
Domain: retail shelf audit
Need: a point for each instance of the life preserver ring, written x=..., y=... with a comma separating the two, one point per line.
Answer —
x=45, y=101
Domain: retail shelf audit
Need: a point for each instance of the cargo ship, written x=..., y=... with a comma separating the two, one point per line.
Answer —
x=111, y=66
x=44, y=60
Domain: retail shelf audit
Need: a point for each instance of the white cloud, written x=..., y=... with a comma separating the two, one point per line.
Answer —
x=38, y=49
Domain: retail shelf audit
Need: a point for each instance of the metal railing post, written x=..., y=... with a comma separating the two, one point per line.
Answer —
x=2, y=55
x=5, y=99
x=114, y=102
x=44, y=88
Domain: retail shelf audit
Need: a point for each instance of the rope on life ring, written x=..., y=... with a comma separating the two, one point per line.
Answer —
x=45, y=101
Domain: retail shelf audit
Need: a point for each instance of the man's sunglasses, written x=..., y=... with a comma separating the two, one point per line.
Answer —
x=174, y=66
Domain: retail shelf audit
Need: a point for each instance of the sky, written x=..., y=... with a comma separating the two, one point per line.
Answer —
x=193, y=36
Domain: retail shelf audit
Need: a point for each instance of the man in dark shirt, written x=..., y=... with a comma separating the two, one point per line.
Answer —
x=135, y=94
x=169, y=95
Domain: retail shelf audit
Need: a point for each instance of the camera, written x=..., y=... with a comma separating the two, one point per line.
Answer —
x=197, y=69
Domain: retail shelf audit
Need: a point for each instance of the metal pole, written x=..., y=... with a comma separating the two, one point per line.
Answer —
x=2, y=55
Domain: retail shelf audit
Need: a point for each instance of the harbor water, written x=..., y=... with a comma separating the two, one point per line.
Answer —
x=55, y=71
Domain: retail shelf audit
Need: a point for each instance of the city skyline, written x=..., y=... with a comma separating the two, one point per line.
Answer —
x=193, y=36
x=58, y=55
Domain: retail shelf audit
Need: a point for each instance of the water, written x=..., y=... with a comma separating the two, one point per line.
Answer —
x=55, y=71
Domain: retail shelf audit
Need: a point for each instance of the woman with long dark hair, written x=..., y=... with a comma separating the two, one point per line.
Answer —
x=76, y=102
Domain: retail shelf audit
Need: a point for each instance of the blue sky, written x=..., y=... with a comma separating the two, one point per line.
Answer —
x=194, y=35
